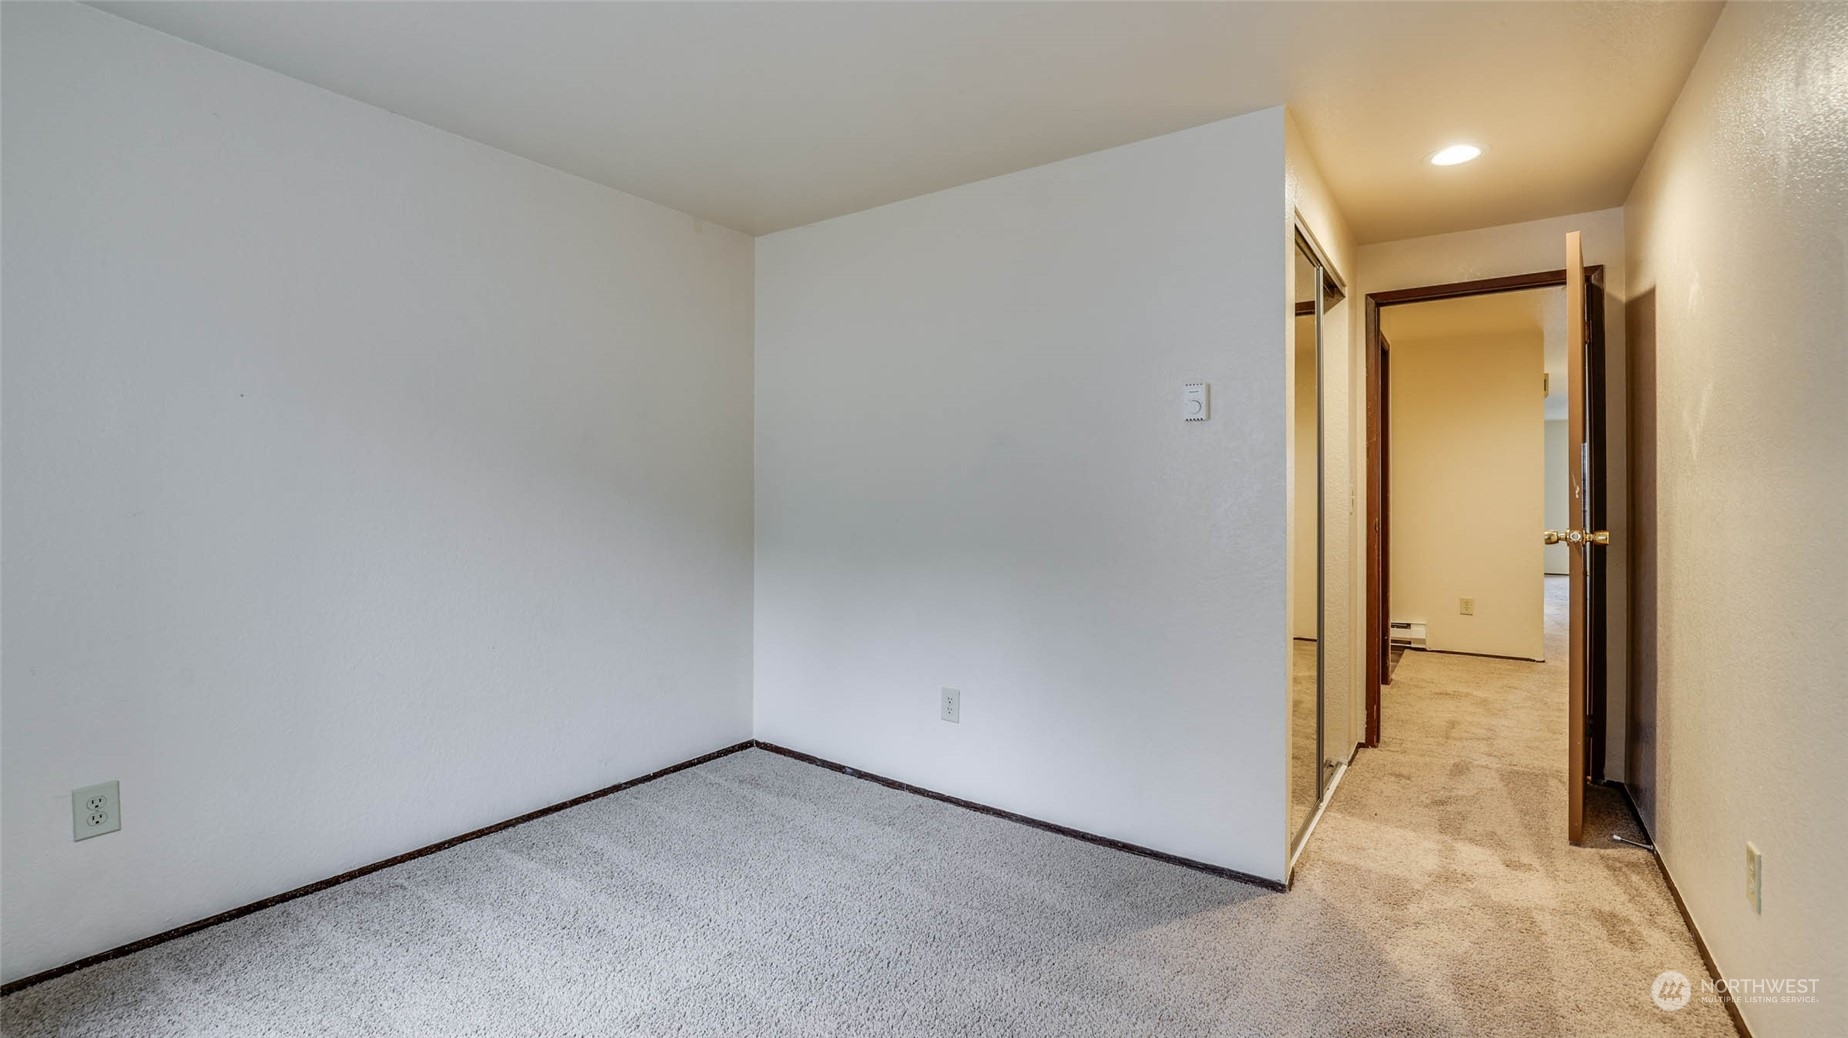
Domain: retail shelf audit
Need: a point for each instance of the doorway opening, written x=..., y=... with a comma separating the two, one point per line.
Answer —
x=1475, y=382
x=1428, y=608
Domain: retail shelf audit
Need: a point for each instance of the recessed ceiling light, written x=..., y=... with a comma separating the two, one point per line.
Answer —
x=1455, y=155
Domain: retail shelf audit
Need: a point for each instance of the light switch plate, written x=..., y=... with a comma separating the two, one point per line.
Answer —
x=96, y=810
x=1195, y=407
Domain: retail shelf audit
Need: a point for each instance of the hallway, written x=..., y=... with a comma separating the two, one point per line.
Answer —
x=1446, y=849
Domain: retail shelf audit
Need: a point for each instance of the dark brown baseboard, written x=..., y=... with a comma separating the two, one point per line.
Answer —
x=1051, y=827
x=320, y=885
x=1478, y=655
x=1700, y=943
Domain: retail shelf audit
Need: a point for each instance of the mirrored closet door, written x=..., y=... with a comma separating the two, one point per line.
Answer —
x=1318, y=713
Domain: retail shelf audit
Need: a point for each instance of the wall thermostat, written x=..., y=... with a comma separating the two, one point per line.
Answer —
x=1194, y=405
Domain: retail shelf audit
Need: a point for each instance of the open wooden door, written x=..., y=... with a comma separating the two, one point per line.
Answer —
x=1584, y=432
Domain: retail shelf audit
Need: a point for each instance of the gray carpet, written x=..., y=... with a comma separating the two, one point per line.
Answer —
x=756, y=895
x=752, y=895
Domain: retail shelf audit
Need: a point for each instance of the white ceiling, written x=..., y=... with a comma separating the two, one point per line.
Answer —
x=1540, y=310
x=763, y=116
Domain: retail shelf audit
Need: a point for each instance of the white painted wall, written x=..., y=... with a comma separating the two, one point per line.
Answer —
x=345, y=459
x=1739, y=285
x=1522, y=249
x=1468, y=490
x=972, y=472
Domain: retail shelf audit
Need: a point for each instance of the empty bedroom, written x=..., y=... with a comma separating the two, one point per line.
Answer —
x=922, y=518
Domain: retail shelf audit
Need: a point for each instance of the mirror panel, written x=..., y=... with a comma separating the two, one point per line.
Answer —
x=1304, y=569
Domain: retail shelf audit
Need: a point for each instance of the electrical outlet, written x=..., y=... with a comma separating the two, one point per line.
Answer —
x=1755, y=878
x=96, y=810
x=1466, y=606
x=952, y=706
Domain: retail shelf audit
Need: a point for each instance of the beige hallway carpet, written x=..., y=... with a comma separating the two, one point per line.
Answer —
x=1443, y=857
x=757, y=895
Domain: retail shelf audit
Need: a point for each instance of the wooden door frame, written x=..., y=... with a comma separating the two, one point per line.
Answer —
x=1378, y=526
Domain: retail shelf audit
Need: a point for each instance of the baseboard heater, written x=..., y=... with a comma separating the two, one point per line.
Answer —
x=1407, y=634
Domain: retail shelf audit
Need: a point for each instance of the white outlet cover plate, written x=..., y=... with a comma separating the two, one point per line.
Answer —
x=952, y=705
x=96, y=810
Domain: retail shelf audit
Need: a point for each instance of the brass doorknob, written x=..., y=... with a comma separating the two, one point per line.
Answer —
x=1577, y=536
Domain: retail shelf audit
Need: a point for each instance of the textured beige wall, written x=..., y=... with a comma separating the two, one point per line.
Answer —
x=1558, y=495
x=1739, y=289
x=1467, y=468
